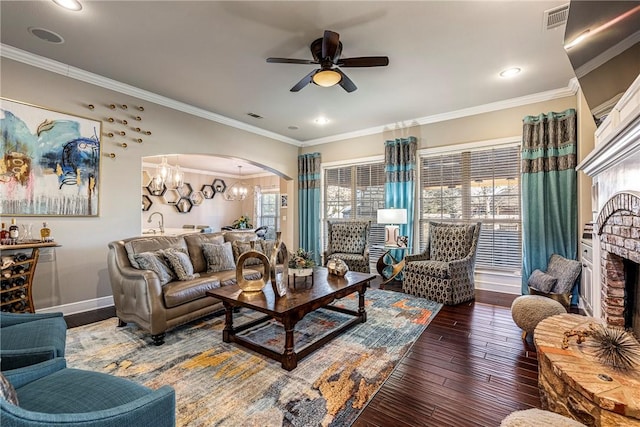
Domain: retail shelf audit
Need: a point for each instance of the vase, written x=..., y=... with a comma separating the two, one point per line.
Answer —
x=278, y=282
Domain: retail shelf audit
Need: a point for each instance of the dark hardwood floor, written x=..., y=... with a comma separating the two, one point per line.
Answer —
x=469, y=368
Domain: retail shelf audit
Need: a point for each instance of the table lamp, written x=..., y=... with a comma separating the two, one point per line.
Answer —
x=392, y=217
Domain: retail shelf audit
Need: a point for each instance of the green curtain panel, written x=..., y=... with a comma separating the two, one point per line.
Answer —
x=309, y=203
x=549, y=190
x=400, y=179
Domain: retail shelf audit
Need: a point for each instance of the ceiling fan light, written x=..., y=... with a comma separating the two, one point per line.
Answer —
x=69, y=4
x=327, y=78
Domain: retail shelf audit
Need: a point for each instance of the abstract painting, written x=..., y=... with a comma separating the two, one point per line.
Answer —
x=50, y=162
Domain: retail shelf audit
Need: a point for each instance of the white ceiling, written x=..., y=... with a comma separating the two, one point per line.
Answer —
x=444, y=56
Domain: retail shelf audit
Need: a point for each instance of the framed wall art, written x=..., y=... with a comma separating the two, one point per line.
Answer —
x=50, y=162
x=284, y=201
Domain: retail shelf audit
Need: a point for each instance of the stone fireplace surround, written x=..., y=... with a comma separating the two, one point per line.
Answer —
x=618, y=228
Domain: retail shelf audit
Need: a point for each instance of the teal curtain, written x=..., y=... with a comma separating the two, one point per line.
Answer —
x=400, y=179
x=549, y=190
x=309, y=204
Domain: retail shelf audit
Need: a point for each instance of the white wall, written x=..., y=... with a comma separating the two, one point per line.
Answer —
x=75, y=278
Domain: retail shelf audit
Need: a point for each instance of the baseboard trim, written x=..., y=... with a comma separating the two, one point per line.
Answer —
x=80, y=306
x=498, y=282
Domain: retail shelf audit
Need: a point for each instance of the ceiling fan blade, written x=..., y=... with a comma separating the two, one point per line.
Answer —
x=364, y=61
x=289, y=61
x=330, y=45
x=305, y=81
x=346, y=82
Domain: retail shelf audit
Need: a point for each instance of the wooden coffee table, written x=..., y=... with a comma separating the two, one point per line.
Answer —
x=291, y=308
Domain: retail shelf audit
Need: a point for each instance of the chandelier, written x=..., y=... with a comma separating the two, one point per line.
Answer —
x=238, y=190
x=168, y=176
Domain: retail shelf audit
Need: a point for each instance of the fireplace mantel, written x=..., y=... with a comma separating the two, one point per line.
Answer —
x=618, y=136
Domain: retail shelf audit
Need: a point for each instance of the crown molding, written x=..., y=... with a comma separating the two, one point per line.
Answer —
x=608, y=54
x=28, y=58
x=570, y=90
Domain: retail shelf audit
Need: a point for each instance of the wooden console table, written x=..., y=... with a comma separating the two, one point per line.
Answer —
x=574, y=383
x=16, y=279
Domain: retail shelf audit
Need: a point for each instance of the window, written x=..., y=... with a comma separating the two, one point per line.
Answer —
x=267, y=214
x=356, y=192
x=480, y=185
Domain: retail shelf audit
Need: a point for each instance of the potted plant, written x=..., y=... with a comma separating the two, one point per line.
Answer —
x=242, y=222
x=301, y=263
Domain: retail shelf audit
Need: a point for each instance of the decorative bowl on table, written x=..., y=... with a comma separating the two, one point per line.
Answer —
x=299, y=272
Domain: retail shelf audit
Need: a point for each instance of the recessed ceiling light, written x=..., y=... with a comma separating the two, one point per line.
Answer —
x=321, y=121
x=69, y=4
x=46, y=35
x=510, y=72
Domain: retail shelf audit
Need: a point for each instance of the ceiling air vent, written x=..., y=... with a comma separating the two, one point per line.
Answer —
x=254, y=115
x=555, y=17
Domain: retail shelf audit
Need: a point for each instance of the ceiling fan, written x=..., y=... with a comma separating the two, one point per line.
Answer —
x=326, y=53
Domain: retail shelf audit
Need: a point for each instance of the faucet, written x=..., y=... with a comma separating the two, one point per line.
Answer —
x=160, y=223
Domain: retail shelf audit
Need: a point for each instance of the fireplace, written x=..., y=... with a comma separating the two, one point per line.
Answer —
x=614, y=167
x=619, y=232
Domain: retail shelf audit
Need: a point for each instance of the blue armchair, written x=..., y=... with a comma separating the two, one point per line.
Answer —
x=29, y=338
x=50, y=394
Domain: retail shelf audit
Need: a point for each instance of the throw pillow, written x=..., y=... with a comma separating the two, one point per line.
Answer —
x=219, y=257
x=567, y=272
x=180, y=264
x=240, y=247
x=542, y=282
x=7, y=392
x=155, y=262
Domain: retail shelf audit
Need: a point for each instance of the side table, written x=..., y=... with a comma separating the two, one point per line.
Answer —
x=388, y=267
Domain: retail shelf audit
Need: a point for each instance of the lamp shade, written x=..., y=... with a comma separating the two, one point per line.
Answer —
x=392, y=216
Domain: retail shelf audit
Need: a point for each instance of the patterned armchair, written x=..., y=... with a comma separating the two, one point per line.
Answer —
x=444, y=271
x=349, y=241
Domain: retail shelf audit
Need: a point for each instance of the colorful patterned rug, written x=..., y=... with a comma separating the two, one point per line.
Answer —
x=220, y=384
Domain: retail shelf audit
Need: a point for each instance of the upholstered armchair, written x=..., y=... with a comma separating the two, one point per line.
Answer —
x=29, y=338
x=444, y=271
x=349, y=241
x=50, y=394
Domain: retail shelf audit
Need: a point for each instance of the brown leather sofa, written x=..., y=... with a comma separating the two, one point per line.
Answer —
x=139, y=295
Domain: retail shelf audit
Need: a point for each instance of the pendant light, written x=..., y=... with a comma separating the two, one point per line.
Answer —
x=238, y=190
x=178, y=176
x=163, y=171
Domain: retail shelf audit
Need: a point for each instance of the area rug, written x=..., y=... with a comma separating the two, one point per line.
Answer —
x=220, y=384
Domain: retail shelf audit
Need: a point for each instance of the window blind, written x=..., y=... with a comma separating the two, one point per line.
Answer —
x=470, y=186
x=356, y=192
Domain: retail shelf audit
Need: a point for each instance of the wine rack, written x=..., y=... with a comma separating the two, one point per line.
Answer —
x=16, y=276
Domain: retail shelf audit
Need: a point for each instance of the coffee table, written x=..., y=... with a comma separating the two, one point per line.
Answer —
x=291, y=308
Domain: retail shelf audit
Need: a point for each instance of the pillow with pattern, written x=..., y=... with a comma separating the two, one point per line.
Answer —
x=155, y=261
x=180, y=264
x=7, y=392
x=449, y=243
x=240, y=247
x=219, y=257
